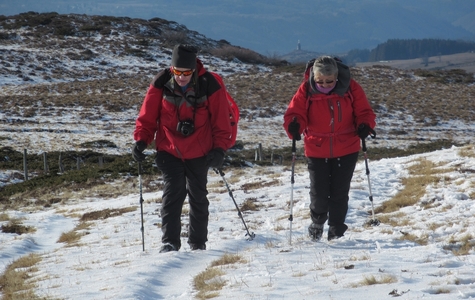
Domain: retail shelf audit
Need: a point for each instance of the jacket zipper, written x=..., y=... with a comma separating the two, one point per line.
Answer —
x=339, y=110
x=332, y=124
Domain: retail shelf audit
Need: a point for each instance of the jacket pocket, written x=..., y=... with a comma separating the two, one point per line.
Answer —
x=315, y=140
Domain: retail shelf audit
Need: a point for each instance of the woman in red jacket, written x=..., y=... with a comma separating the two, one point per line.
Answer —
x=333, y=113
x=186, y=111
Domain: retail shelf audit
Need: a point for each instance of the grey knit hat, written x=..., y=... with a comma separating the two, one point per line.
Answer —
x=184, y=56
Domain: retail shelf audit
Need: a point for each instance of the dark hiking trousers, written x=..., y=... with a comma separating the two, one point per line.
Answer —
x=182, y=178
x=330, y=180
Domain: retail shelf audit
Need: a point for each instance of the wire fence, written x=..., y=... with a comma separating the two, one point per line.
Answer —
x=65, y=162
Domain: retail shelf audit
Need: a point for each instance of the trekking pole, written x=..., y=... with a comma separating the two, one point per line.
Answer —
x=292, y=181
x=141, y=206
x=373, y=222
x=251, y=235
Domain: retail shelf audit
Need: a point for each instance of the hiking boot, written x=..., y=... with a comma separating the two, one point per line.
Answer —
x=315, y=231
x=194, y=247
x=334, y=233
x=167, y=248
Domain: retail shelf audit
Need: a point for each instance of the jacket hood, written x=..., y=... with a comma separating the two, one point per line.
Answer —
x=342, y=85
x=200, y=68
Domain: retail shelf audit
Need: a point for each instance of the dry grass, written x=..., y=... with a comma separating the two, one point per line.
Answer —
x=16, y=226
x=260, y=184
x=209, y=282
x=71, y=238
x=420, y=240
x=4, y=217
x=15, y=283
x=250, y=204
x=439, y=291
x=393, y=219
x=362, y=257
x=467, y=151
x=463, y=245
x=106, y=213
x=422, y=174
x=228, y=259
x=372, y=280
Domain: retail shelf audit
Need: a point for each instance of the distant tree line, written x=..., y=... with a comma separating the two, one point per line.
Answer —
x=408, y=49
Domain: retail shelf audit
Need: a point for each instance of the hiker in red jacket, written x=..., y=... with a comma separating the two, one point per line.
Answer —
x=186, y=111
x=332, y=111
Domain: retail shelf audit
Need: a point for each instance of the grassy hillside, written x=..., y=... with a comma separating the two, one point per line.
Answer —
x=463, y=61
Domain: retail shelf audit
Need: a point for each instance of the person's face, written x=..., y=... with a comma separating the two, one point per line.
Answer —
x=182, y=76
x=325, y=81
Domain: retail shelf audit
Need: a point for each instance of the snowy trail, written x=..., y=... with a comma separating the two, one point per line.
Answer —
x=108, y=262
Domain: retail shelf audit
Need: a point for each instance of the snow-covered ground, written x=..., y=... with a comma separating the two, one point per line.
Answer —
x=109, y=262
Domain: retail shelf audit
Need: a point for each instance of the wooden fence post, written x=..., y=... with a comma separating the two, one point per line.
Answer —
x=260, y=151
x=61, y=167
x=45, y=162
x=25, y=164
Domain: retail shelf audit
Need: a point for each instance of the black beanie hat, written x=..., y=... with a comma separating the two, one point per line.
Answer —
x=184, y=56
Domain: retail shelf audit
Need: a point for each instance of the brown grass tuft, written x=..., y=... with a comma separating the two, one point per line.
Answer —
x=106, y=213
x=14, y=282
x=15, y=226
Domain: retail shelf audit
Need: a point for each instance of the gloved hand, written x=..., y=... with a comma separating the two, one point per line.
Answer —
x=137, y=151
x=364, y=130
x=294, y=129
x=215, y=158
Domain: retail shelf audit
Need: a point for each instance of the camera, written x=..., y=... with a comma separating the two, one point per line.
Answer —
x=186, y=127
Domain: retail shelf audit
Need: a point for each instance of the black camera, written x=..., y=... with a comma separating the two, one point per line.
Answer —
x=186, y=127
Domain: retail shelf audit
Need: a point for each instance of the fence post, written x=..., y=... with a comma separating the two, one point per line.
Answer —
x=61, y=167
x=25, y=164
x=45, y=162
x=260, y=151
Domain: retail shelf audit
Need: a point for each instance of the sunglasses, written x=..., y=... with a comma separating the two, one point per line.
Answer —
x=184, y=73
x=324, y=82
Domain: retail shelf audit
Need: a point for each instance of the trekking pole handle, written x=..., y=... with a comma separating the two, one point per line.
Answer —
x=364, y=144
x=219, y=171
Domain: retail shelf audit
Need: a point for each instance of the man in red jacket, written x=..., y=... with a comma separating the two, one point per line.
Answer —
x=332, y=111
x=186, y=111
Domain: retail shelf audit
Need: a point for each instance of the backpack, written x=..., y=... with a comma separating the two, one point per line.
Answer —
x=233, y=109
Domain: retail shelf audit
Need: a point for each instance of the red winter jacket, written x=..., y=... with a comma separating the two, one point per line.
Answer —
x=329, y=122
x=204, y=103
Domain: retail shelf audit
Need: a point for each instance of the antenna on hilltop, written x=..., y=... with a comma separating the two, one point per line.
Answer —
x=298, y=45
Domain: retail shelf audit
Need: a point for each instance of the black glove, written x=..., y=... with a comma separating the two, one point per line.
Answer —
x=137, y=152
x=294, y=129
x=364, y=130
x=215, y=158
